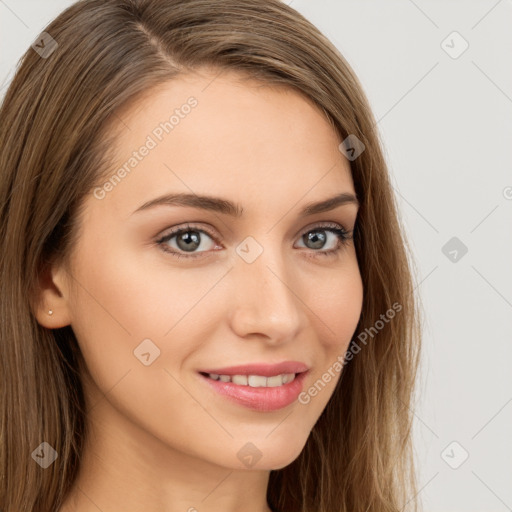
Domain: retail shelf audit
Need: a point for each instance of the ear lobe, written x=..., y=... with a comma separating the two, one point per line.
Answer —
x=53, y=295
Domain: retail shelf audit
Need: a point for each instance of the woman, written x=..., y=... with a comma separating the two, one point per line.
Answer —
x=206, y=297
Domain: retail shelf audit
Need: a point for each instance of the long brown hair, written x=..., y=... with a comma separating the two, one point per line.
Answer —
x=359, y=455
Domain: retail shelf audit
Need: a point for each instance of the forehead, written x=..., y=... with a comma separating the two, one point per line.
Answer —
x=224, y=134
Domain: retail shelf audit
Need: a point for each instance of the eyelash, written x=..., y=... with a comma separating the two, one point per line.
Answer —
x=343, y=236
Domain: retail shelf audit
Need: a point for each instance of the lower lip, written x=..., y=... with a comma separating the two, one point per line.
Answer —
x=260, y=399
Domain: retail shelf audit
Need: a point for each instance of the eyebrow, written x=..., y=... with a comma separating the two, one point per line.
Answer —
x=227, y=207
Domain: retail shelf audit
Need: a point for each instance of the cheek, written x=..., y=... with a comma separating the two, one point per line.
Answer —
x=140, y=294
x=125, y=303
x=127, y=298
x=338, y=305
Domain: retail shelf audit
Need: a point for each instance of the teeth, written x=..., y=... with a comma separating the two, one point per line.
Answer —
x=255, y=381
x=239, y=379
x=275, y=381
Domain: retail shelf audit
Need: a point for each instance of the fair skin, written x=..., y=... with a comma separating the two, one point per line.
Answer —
x=160, y=439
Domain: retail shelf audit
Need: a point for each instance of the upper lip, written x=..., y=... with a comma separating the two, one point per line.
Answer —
x=263, y=369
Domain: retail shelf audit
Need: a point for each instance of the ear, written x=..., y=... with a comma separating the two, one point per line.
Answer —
x=53, y=295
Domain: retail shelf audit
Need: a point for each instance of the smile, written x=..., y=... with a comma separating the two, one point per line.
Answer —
x=258, y=392
x=255, y=381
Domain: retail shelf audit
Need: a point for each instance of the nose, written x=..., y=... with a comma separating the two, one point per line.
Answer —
x=265, y=300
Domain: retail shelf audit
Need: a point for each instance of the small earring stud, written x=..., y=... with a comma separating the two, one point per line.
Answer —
x=50, y=312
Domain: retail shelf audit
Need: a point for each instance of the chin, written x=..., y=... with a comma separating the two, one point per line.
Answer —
x=278, y=458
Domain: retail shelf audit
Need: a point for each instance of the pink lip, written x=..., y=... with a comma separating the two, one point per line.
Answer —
x=260, y=399
x=265, y=370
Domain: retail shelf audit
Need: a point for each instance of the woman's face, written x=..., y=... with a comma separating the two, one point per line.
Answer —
x=151, y=310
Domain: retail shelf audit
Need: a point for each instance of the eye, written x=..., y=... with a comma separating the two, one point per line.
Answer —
x=187, y=240
x=317, y=238
x=190, y=242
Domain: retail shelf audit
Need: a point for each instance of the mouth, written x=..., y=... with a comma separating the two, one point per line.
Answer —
x=254, y=381
x=261, y=393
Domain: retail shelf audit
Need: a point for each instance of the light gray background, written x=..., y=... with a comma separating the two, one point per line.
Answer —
x=446, y=125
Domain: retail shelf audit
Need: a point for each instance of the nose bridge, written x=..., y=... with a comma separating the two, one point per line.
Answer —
x=266, y=301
